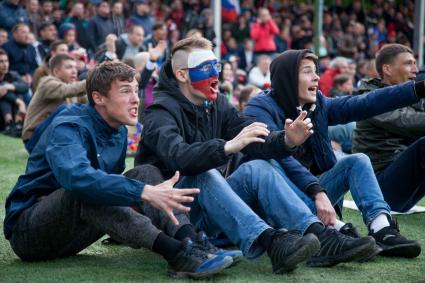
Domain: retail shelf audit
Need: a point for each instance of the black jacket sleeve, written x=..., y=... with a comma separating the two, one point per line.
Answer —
x=162, y=134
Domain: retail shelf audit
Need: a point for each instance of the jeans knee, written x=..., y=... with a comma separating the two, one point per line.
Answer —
x=257, y=164
x=358, y=158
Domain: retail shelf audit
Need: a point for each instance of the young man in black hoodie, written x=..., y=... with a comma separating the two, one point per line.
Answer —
x=295, y=88
x=193, y=129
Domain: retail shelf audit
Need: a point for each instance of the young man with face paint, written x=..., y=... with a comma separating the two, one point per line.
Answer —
x=192, y=128
x=295, y=88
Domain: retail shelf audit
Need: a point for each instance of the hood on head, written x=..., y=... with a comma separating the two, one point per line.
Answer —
x=284, y=80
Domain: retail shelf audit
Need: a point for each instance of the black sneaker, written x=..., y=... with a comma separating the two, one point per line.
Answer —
x=394, y=244
x=337, y=247
x=202, y=243
x=349, y=230
x=193, y=263
x=289, y=249
x=17, y=130
x=8, y=129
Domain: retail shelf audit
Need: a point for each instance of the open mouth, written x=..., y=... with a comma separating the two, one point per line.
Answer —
x=133, y=112
x=214, y=86
x=312, y=89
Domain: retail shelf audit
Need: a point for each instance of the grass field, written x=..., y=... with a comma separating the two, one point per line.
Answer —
x=101, y=263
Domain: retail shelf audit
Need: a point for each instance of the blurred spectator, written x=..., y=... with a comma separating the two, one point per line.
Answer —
x=46, y=11
x=33, y=8
x=241, y=30
x=260, y=74
x=47, y=34
x=142, y=17
x=131, y=43
x=100, y=25
x=21, y=54
x=67, y=32
x=12, y=13
x=118, y=19
x=57, y=47
x=246, y=54
x=76, y=17
x=263, y=32
x=343, y=85
x=226, y=79
x=12, y=90
x=159, y=34
x=61, y=86
x=177, y=13
x=337, y=66
x=246, y=94
x=3, y=36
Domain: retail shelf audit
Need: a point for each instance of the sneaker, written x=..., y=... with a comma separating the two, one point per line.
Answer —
x=337, y=247
x=8, y=129
x=204, y=244
x=289, y=249
x=191, y=262
x=349, y=230
x=394, y=244
x=17, y=130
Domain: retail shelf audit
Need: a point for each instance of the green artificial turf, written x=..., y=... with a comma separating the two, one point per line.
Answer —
x=101, y=263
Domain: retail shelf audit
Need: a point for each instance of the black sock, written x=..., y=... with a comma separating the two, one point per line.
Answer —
x=166, y=246
x=316, y=228
x=266, y=238
x=185, y=231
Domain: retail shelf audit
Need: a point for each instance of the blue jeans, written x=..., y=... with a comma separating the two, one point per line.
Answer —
x=241, y=206
x=352, y=173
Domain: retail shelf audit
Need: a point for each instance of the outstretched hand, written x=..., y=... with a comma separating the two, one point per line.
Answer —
x=298, y=131
x=167, y=198
x=252, y=133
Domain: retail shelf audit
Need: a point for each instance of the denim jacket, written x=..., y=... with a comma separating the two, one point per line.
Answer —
x=81, y=153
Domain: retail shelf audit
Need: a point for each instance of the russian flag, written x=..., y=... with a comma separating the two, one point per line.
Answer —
x=230, y=10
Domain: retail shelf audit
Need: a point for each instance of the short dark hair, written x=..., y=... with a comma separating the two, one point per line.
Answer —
x=341, y=79
x=387, y=54
x=3, y=52
x=55, y=44
x=157, y=26
x=133, y=27
x=101, y=77
x=18, y=25
x=57, y=61
x=246, y=93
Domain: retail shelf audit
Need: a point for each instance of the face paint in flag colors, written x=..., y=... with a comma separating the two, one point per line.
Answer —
x=203, y=72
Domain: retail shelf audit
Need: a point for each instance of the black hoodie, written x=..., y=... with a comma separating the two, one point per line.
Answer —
x=178, y=135
x=284, y=81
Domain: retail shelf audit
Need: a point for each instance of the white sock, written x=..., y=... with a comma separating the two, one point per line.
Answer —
x=338, y=224
x=379, y=222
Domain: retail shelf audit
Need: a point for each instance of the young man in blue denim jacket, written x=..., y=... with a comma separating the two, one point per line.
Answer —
x=295, y=88
x=73, y=193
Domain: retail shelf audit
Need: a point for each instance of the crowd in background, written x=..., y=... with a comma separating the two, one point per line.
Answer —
x=143, y=32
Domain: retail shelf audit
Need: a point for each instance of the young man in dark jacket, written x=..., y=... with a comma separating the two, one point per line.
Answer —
x=395, y=141
x=295, y=88
x=12, y=91
x=73, y=193
x=193, y=129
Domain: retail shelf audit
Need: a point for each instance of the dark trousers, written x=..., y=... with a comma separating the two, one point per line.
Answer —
x=402, y=182
x=61, y=225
